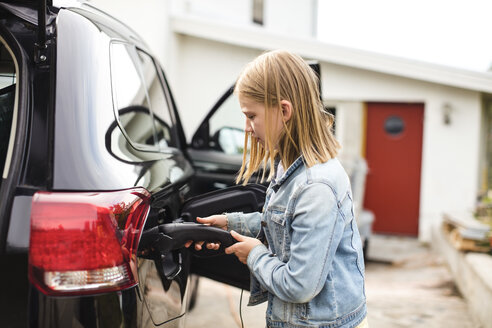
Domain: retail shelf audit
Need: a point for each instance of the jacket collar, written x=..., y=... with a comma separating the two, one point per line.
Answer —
x=292, y=168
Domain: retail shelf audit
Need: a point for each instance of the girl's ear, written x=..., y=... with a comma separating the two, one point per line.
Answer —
x=286, y=110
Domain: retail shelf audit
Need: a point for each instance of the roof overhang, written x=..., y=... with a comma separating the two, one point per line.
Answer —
x=259, y=38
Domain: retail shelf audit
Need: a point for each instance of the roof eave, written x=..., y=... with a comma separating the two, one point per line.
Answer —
x=259, y=38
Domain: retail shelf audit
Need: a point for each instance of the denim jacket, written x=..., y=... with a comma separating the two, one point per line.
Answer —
x=311, y=267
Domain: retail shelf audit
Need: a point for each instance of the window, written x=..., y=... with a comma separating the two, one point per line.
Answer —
x=258, y=11
x=139, y=99
x=394, y=126
x=7, y=105
x=227, y=127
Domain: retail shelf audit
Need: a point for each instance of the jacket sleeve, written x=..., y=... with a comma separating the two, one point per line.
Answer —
x=316, y=233
x=247, y=224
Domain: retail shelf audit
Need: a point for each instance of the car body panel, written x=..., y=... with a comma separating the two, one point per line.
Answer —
x=85, y=106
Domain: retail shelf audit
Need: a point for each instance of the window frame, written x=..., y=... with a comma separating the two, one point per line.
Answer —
x=13, y=127
x=155, y=148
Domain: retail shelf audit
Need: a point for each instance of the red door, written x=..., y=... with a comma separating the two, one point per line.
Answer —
x=394, y=153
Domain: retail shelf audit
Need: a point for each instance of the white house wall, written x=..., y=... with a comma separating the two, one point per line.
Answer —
x=349, y=128
x=206, y=70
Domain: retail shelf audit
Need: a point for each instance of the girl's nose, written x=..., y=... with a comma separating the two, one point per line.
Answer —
x=247, y=127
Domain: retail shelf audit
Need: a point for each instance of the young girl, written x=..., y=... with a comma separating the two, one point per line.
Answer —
x=310, y=267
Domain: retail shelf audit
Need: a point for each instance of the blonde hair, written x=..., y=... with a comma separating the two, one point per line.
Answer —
x=270, y=78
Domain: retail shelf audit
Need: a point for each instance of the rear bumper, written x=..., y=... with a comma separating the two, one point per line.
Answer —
x=118, y=309
x=22, y=305
x=14, y=290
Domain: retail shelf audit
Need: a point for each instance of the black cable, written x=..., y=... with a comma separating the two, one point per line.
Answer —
x=240, y=313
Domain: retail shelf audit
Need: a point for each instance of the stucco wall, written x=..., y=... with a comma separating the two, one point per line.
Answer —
x=206, y=70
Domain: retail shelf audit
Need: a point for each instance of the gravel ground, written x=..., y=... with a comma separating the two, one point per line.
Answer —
x=407, y=285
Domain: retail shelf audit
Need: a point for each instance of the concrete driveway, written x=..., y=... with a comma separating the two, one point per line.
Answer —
x=407, y=285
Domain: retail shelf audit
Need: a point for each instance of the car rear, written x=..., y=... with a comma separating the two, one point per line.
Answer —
x=76, y=192
x=18, y=130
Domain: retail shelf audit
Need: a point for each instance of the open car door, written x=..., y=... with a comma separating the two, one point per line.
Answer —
x=216, y=149
x=217, y=265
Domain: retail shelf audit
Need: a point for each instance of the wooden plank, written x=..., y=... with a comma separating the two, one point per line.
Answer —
x=460, y=243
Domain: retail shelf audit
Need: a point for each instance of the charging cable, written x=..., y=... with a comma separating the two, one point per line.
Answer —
x=240, y=307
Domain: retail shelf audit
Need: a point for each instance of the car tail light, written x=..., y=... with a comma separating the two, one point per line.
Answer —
x=86, y=243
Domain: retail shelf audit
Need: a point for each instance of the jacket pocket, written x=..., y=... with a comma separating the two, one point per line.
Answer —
x=301, y=311
x=277, y=223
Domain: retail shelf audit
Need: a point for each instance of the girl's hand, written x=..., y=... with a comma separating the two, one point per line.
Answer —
x=242, y=248
x=219, y=221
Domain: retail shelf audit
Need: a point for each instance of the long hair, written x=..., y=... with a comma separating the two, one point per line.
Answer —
x=270, y=78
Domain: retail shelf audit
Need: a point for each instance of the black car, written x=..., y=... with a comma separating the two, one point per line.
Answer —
x=99, y=188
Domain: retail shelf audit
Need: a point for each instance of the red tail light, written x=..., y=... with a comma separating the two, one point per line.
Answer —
x=86, y=243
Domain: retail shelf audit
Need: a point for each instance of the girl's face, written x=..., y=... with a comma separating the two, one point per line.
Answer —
x=255, y=120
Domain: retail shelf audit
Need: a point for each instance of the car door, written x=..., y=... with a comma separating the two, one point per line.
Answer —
x=216, y=148
x=218, y=265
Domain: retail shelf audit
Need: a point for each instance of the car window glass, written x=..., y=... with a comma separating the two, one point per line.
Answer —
x=7, y=102
x=157, y=102
x=130, y=99
x=227, y=127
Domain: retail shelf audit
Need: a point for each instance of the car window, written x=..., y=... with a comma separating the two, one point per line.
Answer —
x=139, y=101
x=8, y=79
x=229, y=114
x=157, y=101
x=129, y=97
x=227, y=127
